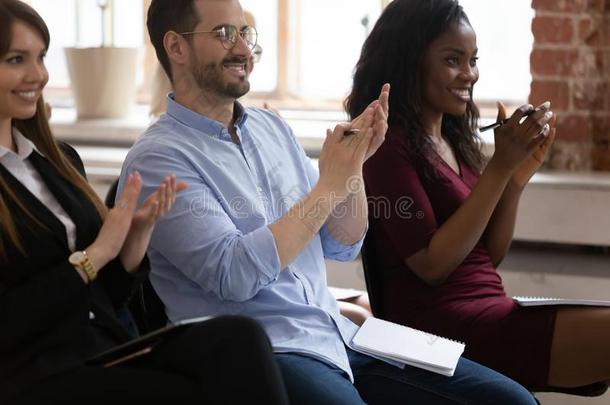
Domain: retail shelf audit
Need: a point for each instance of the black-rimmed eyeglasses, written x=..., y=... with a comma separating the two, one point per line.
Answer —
x=228, y=34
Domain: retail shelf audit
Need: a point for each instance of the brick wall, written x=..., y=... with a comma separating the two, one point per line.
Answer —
x=570, y=64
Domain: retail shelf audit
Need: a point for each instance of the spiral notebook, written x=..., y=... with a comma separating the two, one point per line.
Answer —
x=387, y=340
x=537, y=301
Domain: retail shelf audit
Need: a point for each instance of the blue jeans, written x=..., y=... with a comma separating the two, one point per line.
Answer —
x=310, y=381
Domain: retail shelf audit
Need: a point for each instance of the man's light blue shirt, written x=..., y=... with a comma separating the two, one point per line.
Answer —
x=214, y=253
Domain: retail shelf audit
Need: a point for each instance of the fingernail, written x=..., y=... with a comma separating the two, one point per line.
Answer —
x=546, y=105
x=548, y=115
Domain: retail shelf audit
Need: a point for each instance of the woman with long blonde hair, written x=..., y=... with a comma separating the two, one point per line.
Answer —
x=68, y=266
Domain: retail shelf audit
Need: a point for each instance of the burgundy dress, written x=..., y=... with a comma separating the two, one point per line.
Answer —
x=471, y=305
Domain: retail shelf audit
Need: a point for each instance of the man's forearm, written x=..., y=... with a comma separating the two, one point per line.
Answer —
x=301, y=223
x=347, y=222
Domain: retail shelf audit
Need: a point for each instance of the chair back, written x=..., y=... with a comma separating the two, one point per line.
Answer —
x=372, y=271
x=145, y=306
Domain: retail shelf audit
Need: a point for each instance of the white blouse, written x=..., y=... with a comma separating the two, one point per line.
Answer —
x=20, y=166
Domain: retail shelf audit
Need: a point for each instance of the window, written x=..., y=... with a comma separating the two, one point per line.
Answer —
x=321, y=50
x=266, y=16
x=78, y=23
x=326, y=46
x=308, y=52
x=505, y=45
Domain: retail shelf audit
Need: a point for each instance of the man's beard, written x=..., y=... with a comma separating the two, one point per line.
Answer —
x=209, y=78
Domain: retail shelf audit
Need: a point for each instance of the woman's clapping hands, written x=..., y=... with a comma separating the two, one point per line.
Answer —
x=127, y=229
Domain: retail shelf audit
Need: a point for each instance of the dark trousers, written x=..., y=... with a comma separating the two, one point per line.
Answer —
x=378, y=383
x=226, y=360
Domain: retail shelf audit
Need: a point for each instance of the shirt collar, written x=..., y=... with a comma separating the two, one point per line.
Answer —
x=203, y=123
x=25, y=147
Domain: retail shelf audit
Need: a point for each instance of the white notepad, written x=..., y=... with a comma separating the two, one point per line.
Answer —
x=537, y=301
x=383, y=339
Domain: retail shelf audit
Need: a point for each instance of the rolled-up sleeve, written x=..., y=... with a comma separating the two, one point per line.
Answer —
x=336, y=250
x=198, y=238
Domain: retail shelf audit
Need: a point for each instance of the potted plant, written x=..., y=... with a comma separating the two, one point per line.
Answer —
x=103, y=78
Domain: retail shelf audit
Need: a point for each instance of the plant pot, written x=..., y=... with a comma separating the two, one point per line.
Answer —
x=103, y=80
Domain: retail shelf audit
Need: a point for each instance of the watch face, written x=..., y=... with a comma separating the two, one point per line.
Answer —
x=77, y=258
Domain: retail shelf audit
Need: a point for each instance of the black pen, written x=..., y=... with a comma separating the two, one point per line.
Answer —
x=351, y=132
x=505, y=120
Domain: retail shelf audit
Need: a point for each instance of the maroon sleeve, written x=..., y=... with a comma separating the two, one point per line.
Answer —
x=397, y=199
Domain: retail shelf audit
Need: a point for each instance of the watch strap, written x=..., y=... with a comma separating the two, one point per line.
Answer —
x=88, y=267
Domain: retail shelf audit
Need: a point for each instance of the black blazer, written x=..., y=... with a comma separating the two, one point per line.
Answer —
x=45, y=308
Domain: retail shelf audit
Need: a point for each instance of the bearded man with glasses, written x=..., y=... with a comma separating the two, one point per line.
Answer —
x=250, y=234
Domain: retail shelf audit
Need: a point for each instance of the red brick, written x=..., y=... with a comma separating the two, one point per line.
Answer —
x=595, y=31
x=590, y=95
x=595, y=6
x=553, y=62
x=557, y=92
x=589, y=64
x=605, y=31
x=600, y=156
x=603, y=62
x=560, y=5
x=571, y=6
x=600, y=129
x=575, y=76
x=553, y=29
x=587, y=33
x=575, y=128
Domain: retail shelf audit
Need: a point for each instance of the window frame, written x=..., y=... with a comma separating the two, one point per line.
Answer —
x=281, y=97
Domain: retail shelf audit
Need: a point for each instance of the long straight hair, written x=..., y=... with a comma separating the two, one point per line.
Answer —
x=393, y=53
x=37, y=130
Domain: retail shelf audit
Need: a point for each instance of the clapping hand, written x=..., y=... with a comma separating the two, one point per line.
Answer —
x=144, y=219
x=127, y=229
x=374, y=116
x=522, y=142
x=530, y=166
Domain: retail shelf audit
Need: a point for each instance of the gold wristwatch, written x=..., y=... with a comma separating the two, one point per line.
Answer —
x=81, y=261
